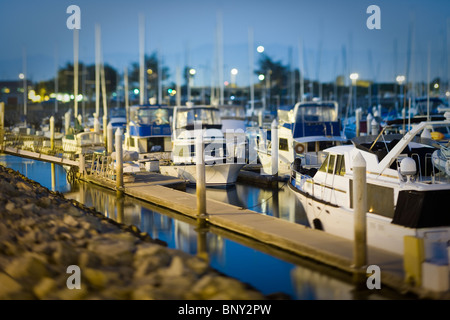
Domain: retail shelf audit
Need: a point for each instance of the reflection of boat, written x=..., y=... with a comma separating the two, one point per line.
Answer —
x=83, y=143
x=187, y=122
x=149, y=131
x=303, y=131
x=401, y=200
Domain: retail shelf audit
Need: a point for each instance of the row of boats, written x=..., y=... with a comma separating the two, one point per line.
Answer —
x=408, y=174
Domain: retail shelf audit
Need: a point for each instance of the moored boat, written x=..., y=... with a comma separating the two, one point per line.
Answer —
x=188, y=122
x=402, y=199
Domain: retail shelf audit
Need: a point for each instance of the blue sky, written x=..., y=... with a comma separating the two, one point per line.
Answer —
x=186, y=30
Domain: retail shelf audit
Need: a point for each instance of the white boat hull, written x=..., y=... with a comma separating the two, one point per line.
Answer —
x=215, y=175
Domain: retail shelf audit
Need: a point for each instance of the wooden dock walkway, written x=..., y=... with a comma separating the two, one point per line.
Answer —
x=294, y=238
x=39, y=156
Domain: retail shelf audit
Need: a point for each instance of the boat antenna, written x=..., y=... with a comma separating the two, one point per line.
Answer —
x=379, y=135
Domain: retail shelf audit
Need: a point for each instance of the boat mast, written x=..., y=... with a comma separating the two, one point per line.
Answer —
x=251, y=65
x=97, y=69
x=300, y=70
x=141, y=59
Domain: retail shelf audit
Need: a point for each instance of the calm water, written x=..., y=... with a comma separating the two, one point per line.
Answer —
x=267, y=269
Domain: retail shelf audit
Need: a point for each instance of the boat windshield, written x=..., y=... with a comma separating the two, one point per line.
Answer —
x=147, y=116
x=232, y=112
x=189, y=117
x=316, y=113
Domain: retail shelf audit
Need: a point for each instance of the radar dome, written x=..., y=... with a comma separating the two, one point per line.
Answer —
x=408, y=167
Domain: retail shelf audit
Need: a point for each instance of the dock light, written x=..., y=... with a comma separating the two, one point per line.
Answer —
x=260, y=49
x=436, y=85
x=21, y=76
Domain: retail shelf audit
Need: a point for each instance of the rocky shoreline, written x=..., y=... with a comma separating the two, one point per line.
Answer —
x=42, y=233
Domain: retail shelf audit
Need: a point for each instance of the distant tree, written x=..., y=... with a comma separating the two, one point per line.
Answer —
x=150, y=72
x=274, y=72
x=66, y=78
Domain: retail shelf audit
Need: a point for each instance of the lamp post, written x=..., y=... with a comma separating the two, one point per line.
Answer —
x=22, y=77
x=233, y=72
x=192, y=72
x=354, y=77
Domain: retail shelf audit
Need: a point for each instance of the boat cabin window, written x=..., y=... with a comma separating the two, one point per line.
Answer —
x=283, y=144
x=147, y=116
x=340, y=165
x=328, y=164
x=332, y=161
x=232, y=112
x=189, y=117
x=317, y=113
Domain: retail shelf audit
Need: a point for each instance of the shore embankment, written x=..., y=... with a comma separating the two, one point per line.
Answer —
x=50, y=246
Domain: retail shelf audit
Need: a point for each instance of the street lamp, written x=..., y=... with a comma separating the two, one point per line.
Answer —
x=22, y=77
x=354, y=77
x=260, y=49
x=400, y=79
x=192, y=72
x=234, y=72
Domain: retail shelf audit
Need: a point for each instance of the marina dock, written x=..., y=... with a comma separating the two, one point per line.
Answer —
x=293, y=238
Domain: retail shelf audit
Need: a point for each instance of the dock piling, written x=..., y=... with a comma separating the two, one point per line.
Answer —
x=119, y=160
x=360, y=209
x=200, y=181
x=109, y=138
x=52, y=133
x=2, y=124
x=274, y=148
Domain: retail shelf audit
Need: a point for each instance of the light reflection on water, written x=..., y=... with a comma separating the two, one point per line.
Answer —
x=265, y=272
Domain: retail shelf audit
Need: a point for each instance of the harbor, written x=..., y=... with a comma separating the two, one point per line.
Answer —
x=249, y=173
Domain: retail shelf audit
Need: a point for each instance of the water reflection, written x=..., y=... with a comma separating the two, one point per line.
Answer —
x=279, y=203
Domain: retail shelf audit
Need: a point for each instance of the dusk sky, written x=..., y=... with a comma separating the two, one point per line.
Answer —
x=333, y=34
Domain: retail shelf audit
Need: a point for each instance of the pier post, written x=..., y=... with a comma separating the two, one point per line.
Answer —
x=109, y=139
x=52, y=133
x=200, y=181
x=360, y=210
x=105, y=129
x=82, y=164
x=66, y=122
x=119, y=160
x=358, y=121
x=274, y=149
x=2, y=124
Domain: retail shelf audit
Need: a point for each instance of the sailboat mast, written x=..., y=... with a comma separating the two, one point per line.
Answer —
x=141, y=58
x=97, y=69
x=251, y=67
x=300, y=70
x=75, y=73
